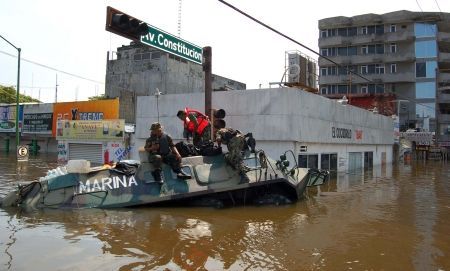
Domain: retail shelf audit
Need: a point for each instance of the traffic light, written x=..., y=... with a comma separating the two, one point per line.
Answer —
x=124, y=25
x=218, y=118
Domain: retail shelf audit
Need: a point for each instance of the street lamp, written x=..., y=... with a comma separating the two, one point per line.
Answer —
x=17, y=91
x=157, y=94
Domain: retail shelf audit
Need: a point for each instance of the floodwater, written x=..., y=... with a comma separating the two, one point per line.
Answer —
x=389, y=218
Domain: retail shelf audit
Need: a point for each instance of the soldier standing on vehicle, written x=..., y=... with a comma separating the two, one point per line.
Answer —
x=161, y=149
x=235, y=142
x=197, y=124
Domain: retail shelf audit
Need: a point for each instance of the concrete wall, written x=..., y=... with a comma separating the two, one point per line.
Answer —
x=139, y=70
x=279, y=119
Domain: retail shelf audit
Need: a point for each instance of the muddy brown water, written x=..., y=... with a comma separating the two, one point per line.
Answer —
x=389, y=218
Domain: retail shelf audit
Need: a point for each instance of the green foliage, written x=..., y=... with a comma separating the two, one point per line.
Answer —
x=99, y=97
x=8, y=96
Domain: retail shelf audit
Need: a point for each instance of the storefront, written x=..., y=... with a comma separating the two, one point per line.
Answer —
x=8, y=125
x=99, y=141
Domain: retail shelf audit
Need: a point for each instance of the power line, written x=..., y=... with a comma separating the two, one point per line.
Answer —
x=419, y=6
x=438, y=5
x=311, y=50
x=53, y=69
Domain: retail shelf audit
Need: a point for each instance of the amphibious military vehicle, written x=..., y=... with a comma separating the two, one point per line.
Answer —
x=130, y=183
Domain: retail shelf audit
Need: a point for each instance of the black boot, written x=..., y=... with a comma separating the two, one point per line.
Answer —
x=157, y=176
x=244, y=178
x=181, y=175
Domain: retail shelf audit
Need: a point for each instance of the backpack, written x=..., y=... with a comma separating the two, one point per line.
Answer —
x=186, y=149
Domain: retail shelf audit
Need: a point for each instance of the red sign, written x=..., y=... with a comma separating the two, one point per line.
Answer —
x=359, y=134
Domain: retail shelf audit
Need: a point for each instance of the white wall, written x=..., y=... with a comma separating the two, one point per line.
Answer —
x=279, y=119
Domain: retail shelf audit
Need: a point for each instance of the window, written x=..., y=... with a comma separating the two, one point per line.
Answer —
x=379, y=48
x=368, y=160
x=426, y=69
x=342, y=32
x=425, y=90
x=332, y=51
x=331, y=70
x=331, y=32
x=393, y=28
x=371, y=69
x=352, y=31
x=426, y=48
x=364, y=89
x=421, y=70
x=156, y=55
x=375, y=88
x=364, y=30
x=323, y=90
x=328, y=161
x=371, y=29
x=323, y=71
x=324, y=52
x=323, y=33
x=308, y=160
x=379, y=68
x=425, y=30
x=426, y=110
x=342, y=51
x=352, y=51
x=145, y=56
x=379, y=88
x=364, y=69
x=354, y=89
x=137, y=57
x=393, y=47
x=379, y=29
x=393, y=68
x=342, y=89
x=364, y=50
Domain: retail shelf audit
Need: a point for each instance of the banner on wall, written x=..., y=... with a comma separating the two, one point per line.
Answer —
x=85, y=110
x=8, y=118
x=37, y=123
x=90, y=129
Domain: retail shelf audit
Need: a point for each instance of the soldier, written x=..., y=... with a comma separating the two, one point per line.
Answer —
x=161, y=149
x=197, y=124
x=235, y=142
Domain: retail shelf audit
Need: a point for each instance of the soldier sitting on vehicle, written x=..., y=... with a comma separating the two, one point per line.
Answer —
x=235, y=143
x=161, y=149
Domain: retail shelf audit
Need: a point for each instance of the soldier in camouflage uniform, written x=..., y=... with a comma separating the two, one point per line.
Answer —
x=161, y=149
x=235, y=142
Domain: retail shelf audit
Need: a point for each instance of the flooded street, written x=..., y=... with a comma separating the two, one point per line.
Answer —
x=388, y=218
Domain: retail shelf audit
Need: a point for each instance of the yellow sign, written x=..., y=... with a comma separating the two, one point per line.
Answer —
x=90, y=129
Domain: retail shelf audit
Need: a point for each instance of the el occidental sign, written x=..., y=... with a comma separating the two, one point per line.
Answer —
x=164, y=41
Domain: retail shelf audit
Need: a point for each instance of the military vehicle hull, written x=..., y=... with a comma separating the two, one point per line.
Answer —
x=213, y=183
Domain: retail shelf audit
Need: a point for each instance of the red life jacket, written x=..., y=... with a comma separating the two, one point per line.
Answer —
x=202, y=121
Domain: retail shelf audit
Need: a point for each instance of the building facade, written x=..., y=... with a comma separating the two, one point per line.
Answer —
x=402, y=56
x=139, y=70
x=321, y=132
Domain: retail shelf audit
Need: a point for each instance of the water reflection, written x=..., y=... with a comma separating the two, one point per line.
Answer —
x=391, y=219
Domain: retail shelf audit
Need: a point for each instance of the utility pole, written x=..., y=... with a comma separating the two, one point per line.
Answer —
x=17, y=90
x=56, y=89
x=207, y=53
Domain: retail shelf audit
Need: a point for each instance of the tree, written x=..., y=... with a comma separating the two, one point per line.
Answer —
x=99, y=97
x=8, y=96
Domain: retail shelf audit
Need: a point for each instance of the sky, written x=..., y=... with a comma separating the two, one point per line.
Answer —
x=70, y=37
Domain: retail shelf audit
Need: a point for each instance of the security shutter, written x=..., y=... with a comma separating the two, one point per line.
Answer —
x=90, y=152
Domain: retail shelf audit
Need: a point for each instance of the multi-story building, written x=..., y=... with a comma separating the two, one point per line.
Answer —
x=140, y=70
x=400, y=57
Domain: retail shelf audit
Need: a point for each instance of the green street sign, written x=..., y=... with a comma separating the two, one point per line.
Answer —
x=164, y=41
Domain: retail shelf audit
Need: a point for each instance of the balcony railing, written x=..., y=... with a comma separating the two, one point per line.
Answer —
x=443, y=98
